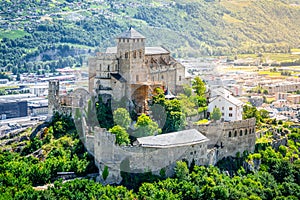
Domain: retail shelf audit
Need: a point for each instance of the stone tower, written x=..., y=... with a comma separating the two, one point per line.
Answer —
x=53, y=96
x=131, y=53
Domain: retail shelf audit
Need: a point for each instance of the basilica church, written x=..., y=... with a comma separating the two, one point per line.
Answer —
x=133, y=70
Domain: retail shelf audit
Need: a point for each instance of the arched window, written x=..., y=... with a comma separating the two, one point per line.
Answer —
x=246, y=131
x=134, y=54
x=241, y=132
x=253, y=131
x=235, y=133
x=229, y=134
x=140, y=54
x=126, y=55
x=250, y=131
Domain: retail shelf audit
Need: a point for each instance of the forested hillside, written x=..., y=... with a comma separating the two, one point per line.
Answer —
x=44, y=35
x=269, y=173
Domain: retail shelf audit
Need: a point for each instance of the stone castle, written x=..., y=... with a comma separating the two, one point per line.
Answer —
x=133, y=71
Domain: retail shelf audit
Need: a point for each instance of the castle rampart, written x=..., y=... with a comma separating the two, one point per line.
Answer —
x=230, y=137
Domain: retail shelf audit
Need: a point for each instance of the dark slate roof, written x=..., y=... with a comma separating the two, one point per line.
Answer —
x=131, y=34
x=118, y=76
x=180, y=138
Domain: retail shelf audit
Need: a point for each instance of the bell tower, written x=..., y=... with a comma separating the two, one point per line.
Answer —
x=131, y=54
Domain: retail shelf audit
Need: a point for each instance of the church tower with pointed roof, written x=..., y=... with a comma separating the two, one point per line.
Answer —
x=133, y=70
x=131, y=53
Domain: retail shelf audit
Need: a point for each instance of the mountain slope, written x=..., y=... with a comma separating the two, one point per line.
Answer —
x=51, y=34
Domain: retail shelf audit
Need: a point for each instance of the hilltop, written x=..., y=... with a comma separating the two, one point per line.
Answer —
x=44, y=35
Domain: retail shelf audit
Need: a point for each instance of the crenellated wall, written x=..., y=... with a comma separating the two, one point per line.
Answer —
x=137, y=159
x=230, y=137
x=225, y=139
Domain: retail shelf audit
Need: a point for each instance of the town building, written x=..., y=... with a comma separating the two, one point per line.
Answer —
x=282, y=87
x=230, y=107
x=13, y=108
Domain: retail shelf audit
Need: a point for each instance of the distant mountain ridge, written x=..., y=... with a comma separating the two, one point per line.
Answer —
x=188, y=28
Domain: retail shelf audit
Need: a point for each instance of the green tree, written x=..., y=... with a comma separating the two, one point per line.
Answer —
x=122, y=117
x=145, y=127
x=159, y=97
x=105, y=173
x=251, y=111
x=175, y=117
x=122, y=136
x=216, y=114
x=104, y=114
x=181, y=170
x=187, y=90
x=199, y=86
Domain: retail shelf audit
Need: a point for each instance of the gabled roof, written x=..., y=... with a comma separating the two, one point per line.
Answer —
x=228, y=98
x=220, y=91
x=180, y=138
x=131, y=34
x=225, y=94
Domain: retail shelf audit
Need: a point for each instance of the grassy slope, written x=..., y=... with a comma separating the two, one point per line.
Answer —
x=190, y=28
x=193, y=27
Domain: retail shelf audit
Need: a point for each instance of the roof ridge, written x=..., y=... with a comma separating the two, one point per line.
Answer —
x=131, y=33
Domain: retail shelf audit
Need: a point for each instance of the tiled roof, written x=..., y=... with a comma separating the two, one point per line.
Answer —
x=180, y=138
x=131, y=34
x=226, y=95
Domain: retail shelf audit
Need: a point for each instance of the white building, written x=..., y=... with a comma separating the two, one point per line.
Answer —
x=230, y=107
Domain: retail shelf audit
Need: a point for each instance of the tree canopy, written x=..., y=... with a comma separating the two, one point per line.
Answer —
x=122, y=117
x=199, y=86
x=122, y=137
x=216, y=114
x=146, y=127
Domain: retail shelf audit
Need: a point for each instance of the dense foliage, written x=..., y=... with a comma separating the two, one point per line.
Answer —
x=56, y=148
x=146, y=127
x=269, y=173
x=122, y=118
x=122, y=137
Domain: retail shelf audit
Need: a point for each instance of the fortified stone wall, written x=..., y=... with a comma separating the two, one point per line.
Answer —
x=142, y=159
x=226, y=140
x=136, y=159
x=230, y=137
